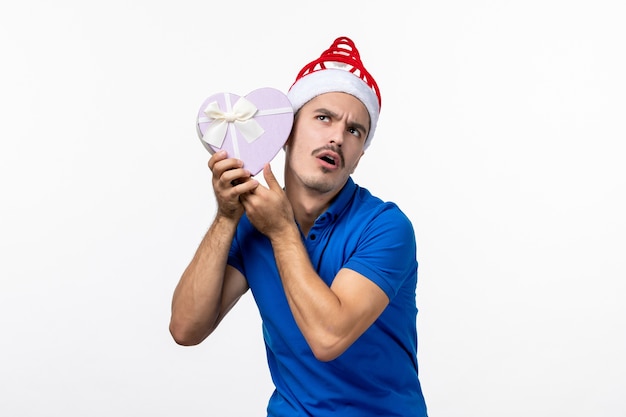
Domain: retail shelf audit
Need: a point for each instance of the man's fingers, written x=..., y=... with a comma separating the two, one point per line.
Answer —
x=270, y=179
x=216, y=157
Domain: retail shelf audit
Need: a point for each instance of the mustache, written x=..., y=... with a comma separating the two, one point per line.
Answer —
x=332, y=148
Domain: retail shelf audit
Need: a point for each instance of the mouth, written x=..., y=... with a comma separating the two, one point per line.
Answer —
x=330, y=159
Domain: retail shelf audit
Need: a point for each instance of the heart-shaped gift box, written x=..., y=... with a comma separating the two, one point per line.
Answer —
x=252, y=128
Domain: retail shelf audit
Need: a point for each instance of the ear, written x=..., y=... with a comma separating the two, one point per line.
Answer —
x=288, y=141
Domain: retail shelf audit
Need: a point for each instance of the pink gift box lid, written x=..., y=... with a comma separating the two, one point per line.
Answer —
x=252, y=128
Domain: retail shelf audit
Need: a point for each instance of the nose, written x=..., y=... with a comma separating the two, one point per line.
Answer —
x=337, y=134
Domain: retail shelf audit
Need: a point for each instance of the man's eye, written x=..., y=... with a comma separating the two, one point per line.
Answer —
x=322, y=117
x=355, y=132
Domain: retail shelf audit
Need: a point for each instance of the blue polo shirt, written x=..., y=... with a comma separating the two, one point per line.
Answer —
x=378, y=374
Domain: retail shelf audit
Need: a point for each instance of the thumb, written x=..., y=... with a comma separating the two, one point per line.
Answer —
x=270, y=179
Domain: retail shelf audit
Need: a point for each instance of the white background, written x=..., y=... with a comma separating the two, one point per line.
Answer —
x=501, y=136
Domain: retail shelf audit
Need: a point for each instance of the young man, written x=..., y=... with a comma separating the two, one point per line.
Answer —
x=332, y=268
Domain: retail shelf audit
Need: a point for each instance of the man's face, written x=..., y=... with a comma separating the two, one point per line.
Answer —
x=326, y=141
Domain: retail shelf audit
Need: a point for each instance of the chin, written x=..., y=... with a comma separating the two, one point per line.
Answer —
x=321, y=185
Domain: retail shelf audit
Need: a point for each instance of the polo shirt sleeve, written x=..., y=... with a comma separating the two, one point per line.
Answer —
x=234, y=254
x=386, y=252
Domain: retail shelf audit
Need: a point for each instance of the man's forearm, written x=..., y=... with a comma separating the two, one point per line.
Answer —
x=198, y=296
x=314, y=305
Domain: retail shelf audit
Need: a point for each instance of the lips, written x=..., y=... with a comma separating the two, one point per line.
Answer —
x=329, y=159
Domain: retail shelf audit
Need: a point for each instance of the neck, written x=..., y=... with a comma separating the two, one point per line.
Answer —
x=308, y=204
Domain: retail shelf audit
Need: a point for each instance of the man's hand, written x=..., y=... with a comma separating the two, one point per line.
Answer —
x=268, y=209
x=230, y=181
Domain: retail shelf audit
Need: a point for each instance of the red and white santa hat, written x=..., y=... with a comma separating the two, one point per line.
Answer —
x=338, y=69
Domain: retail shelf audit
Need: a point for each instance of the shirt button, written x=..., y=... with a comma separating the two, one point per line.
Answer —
x=312, y=236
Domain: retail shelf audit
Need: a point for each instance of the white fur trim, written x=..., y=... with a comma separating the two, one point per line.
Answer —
x=336, y=81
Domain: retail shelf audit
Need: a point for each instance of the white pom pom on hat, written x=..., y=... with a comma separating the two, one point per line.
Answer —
x=338, y=69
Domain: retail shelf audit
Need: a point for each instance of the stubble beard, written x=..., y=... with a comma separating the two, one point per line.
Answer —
x=319, y=184
x=324, y=181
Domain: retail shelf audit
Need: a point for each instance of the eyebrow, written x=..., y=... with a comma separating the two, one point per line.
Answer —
x=355, y=125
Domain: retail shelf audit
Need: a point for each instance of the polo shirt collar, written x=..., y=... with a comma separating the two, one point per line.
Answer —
x=342, y=199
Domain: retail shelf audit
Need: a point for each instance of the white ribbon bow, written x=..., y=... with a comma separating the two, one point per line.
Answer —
x=241, y=115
